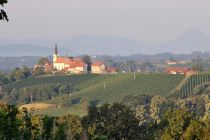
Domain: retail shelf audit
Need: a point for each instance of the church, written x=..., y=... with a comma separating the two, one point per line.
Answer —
x=68, y=65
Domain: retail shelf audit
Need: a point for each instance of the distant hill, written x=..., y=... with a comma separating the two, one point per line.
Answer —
x=104, y=45
x=11, y=50
x=9, y=63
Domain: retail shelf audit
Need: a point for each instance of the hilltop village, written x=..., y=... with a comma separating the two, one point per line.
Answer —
x=71, y=65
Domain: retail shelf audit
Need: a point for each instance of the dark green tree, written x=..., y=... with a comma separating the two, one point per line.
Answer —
x=27, y=125
x=3, y=14
x=115, y=121
x=87, y=60
x=9, y=128
x=47, y=130
x=176, y=122
x=3, y=79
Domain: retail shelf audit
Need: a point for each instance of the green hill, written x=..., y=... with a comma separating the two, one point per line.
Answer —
x=97, y=89
x=73, y=79
x=114, y=88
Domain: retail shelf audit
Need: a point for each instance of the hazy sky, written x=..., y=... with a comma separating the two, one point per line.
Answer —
x=150, y=21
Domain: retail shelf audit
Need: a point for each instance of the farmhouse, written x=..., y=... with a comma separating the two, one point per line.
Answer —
x=178, y=70
x=98, y=68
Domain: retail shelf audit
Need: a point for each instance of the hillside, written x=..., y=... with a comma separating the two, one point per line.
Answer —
x=73, y=79
x=114, y=88
x=93, y=89
x=105, y=45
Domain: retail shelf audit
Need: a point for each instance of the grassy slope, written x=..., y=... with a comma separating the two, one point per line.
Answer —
x=104, y=88
x=113, y=88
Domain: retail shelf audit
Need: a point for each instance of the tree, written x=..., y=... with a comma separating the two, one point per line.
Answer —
x=114, y=121
x=195, y=131
x=26, y=72
x=9, y=128
x=87, y=60
x=47, y=128
x=38, y=71
x=176, y=122
x=26, y=125
x=73, y=127
x=43, y=60
x=3, y=15
x=3, y=79
x=197, y=67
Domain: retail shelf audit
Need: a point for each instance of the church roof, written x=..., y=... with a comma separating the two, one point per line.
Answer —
x=61, y=60
x=75, y=63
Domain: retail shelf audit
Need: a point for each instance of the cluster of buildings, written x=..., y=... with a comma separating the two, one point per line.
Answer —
x=180, y=70
x=173, y=62
x=75, y=65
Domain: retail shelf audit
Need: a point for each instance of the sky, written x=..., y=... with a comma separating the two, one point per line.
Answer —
x=150, y=21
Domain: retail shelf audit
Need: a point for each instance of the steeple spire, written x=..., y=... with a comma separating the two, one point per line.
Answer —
x=56, y=49
x=55, y=55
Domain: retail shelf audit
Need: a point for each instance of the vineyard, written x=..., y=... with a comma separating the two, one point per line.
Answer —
x=192, y=82
x=104, y=88
x=114, y=88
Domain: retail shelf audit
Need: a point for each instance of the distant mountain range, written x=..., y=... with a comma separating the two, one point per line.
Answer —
x=104, y=45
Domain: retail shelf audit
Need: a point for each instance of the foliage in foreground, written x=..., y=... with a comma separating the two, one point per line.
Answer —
x=3, y=15
x=114, y=121
x=108, y=122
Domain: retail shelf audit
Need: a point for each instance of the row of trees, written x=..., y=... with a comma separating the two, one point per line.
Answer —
x=108, y=122
x=35, y=93
x=16, y=75
x=21, y=125
x=19, y=74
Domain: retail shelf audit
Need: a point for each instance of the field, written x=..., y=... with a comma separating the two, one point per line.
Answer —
x=114, y=88
x=99, y=89
x=56, y=112
x=192, y=82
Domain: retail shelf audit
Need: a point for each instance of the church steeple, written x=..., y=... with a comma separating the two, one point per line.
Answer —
x=56, y=49
x=55, y=55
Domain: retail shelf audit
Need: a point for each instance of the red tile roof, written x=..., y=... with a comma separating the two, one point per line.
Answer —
x=61, y=60
x=178, y=69
x=75, y=63
x=97, y=64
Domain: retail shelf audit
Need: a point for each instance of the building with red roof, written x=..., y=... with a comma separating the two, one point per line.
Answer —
x=68, y=65
x=178, y=70
x=98, y=68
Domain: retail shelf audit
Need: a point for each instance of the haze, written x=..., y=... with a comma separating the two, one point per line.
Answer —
x=148, y=21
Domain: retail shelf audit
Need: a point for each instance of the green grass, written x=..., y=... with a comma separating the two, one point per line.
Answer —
x=114, y=88
x=99, y=89
x=75, y=110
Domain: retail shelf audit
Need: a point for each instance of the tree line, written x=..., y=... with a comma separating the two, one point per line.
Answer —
x=107, y=122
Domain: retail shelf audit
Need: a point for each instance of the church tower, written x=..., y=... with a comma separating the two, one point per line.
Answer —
x=55, y=55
